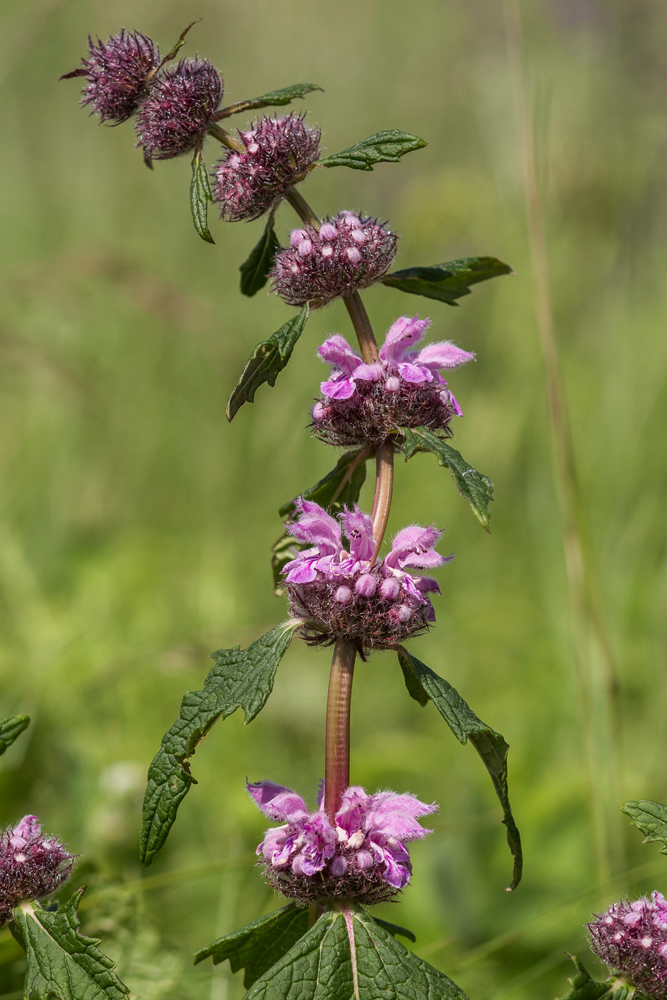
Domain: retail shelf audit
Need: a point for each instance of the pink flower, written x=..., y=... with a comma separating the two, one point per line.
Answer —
x=367, y=402
x=31, y=864
x=340, y=593
x=631, y=938
x=362, y=855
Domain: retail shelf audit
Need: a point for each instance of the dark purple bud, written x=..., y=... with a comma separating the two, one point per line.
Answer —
x=347, y=253
x=117, y=73
x=278, y=154
x=631, y=938
x=181, y=103
x=31, y=865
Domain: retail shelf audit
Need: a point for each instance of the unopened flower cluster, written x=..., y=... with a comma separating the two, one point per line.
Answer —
x=173, y=106
x=365, y=403
x=362, y=854
x=278, y=153
x=31, y=865
x=348, y=252
x=341, y=593
x=631, y=938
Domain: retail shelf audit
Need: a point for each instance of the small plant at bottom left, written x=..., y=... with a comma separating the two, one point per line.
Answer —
x=60, y=960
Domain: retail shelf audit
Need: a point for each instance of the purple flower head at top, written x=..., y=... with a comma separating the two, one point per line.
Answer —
x=340, y=593
x=362, y=855
x=347, y=252
x=31, y=865
x=117, y=72
x=181, y=103
x=631, y=938
x=363, y=403
x=278, y=154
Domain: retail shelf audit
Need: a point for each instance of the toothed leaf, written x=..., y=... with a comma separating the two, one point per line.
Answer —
x=446, y=282
x=424, y=684
x=387, y=147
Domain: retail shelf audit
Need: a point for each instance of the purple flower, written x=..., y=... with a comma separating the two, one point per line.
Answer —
x=347, y=253
x=364, y=403
x=117, y=71
x=31, y=865
x=181, y=103
x=361, y=856
x=340, y=593
x=631, y=938
x=278, y=154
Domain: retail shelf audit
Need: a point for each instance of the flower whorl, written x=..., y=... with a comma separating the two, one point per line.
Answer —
x=31, y=865
x=179, y=106
x=278, y=153
x=347, y=253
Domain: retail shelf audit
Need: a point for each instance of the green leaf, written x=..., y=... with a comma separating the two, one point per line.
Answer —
x=261, y=944
x=10, y=729
x=347, y=954
x=171, y=54
x=651, y=819
x=584, y=987
x=200, y=195
x=474, y=487
x=446, y=282
x=255, y=270
x=267, y=361
x=340, y=487
x=424, y=684
x=387, y=147
x=257, y=947
x=395, y=929
x=61, y=961
x=241, y=678
x=276, y=98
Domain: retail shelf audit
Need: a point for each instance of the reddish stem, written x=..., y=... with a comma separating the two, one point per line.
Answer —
x=337, y=757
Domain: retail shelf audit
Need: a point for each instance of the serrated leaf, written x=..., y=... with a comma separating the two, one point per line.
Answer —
x=347, y=954
x=61, y=961
x=255, y=270
x=584, y=987
x=474, y=487
x=257, y=947
x=10, y=729
x=424, y=684
x=340, y=487
x=387, y=147
x=200, y=195
x=261, y=944
x=267, y=361
x=446, y=282
x=651, y=819
x=275, y=98
x=241, y=678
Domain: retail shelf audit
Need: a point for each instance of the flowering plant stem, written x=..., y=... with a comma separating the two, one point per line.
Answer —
x=337, y=754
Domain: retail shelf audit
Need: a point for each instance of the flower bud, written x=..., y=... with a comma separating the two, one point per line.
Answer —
x=346, y=254
x=631, y=938
x=117, y=72
x=181, y=103
x=279, y=153
x=31, y=865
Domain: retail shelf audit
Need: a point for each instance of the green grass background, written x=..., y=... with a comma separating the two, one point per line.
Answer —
x=135, y=522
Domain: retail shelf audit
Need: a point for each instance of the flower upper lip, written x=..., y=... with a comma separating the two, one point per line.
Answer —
x=395, y=357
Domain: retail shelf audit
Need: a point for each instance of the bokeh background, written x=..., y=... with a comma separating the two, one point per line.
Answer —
x=135, y=523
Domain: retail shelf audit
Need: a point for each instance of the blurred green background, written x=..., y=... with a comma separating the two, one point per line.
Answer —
x=135, y=523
